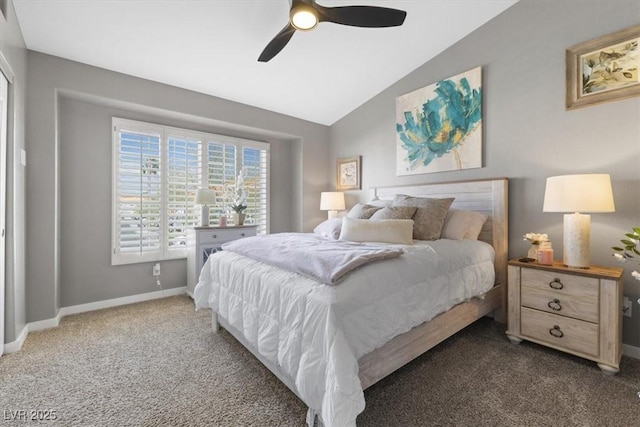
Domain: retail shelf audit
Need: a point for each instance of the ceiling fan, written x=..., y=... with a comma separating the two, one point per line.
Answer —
x=306, y=14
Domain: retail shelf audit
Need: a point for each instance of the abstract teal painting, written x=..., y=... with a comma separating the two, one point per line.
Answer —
x=439, y=127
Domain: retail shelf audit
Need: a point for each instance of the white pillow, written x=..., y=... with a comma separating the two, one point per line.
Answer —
x=329, y=228
x=377, y=230
x=460, y=224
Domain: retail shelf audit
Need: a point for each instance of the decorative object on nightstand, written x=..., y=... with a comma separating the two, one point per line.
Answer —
x=204, y=241
x=238, y=214
x=572, y=310
x=238, y=199
x=578, y=193
x=204, y=198
x=332, y=201
x=536, y=239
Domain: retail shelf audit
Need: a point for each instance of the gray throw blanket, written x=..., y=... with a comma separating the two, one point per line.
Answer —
x=327, y=261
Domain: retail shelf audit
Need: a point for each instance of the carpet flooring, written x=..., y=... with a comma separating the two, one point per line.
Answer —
x=157, y=363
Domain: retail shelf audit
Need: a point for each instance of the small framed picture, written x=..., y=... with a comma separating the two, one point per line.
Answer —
x=603, y=69
x=348, y=170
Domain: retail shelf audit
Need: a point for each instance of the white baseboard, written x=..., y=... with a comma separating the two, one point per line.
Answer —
x=631, y=351
x=16, y=345
x=99, y=305
x=13, y=346
x=45, y=324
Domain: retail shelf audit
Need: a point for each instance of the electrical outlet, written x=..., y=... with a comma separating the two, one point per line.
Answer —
x=626, y=307
x=156, y=269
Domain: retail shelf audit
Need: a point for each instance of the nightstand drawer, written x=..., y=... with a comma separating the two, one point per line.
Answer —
x=561, y=332
x=564, y=284
x=221, y=236
x=583, y=307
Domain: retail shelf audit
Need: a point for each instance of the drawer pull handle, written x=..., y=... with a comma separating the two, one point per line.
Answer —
x=556, y=332
x=556, y=284
x=215, y=236
x=242, y=234
x=555, y=305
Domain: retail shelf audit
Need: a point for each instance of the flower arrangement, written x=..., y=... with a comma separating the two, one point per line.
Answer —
x=536, y=238
x=236, y=194
x=630, y=249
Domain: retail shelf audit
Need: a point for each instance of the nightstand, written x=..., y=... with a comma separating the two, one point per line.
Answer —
x=578, y=311
x=203, y=241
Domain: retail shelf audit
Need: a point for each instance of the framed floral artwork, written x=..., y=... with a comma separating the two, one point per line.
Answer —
x=439, y=127
x=348, y=170
x=603, y=69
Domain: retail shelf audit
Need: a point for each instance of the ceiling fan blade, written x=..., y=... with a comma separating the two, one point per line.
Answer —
x=277, y=43
x=362, y=16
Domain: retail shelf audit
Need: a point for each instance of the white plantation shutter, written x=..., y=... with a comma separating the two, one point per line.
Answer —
x=156, y=172
x=184, y=171
x=137, y=194
x=255, y=167
x=222, y=172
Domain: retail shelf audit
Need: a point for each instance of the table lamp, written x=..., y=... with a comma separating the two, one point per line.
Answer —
x=578, y=193
x=332, y=201
x=205, y=197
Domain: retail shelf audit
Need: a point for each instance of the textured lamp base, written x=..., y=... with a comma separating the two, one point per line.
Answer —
x=577, y=240
x=333, y=214
x=204, y=216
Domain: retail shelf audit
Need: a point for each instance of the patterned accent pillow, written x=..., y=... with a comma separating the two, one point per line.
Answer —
x=362, y=211
x=429, y=216
x=395, y=212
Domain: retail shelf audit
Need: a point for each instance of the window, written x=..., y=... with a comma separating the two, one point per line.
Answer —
x=156, y=172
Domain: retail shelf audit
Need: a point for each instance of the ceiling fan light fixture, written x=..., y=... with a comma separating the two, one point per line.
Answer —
x=303, y=18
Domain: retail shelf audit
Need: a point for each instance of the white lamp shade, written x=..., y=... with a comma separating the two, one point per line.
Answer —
x=205, y=197
x=579, y=193
x=332, y=201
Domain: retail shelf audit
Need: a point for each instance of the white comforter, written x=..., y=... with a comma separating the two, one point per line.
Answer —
x=316, y=333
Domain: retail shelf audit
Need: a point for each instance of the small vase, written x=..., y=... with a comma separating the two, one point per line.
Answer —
x=533, y=251
x=238, y=218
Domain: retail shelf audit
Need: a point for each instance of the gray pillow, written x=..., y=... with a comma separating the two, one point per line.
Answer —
x=362, y=211
x=429, y=216
x=395, y=212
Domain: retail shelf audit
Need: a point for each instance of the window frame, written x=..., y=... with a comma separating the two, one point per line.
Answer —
x=164, y=251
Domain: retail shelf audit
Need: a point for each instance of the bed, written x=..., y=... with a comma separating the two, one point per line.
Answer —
x=328, y=343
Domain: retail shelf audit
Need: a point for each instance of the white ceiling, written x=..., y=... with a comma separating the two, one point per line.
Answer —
x=212, y=46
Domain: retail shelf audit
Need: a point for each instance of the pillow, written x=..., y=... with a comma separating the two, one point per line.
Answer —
x=460, y=224
x=362, y=211
x=429, y=217
x=382, y=230
x=329, y=228
x=379, y=203
x=395, y=212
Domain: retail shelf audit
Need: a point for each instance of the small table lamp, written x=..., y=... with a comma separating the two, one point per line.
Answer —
x=332, y=201
x=205, y=197
x=578, y=193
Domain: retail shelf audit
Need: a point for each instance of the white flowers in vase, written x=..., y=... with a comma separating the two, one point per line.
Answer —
x=536, y=238
x=236, y=198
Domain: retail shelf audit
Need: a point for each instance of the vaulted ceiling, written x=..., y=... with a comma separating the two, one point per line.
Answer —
x=212, y=46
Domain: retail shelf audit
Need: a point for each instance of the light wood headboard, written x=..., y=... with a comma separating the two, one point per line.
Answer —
x=489, y=196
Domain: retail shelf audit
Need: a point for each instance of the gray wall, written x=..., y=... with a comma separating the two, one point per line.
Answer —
x=13, y=49
x=69, y=193
x=528, y=134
